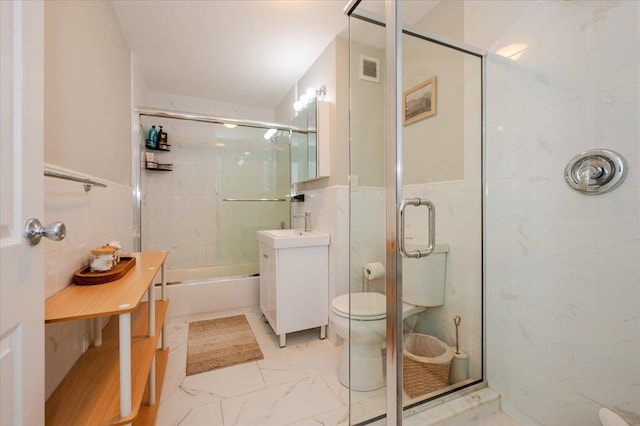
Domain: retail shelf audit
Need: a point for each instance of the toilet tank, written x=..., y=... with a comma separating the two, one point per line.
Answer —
x=423, y=279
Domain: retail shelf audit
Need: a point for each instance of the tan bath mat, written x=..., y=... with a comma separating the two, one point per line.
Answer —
x=220, y=342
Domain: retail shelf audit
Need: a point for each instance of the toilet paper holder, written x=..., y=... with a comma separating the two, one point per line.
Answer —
x=372, y=271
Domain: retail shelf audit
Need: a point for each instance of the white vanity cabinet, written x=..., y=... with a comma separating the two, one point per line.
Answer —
x=294, y=286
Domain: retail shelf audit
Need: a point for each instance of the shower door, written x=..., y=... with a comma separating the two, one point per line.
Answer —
x=227, y=183
x=415, y=187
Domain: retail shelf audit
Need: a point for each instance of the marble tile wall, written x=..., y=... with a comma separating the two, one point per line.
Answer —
x=92, y=219
x=367, y=234
x=329, y=208
x=563, y=278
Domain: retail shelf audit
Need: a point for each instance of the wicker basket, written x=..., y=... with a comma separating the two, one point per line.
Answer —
x=426, y=364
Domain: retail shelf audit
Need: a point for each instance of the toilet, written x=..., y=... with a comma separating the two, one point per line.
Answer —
x=360, y=318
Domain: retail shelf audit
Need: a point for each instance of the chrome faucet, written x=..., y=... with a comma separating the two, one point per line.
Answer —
x=307, y=221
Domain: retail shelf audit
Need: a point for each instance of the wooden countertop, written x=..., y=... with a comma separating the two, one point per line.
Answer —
x=113, y=298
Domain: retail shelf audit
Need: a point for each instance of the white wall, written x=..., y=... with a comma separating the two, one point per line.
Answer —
x=88, y=99
x=563, y=277
x=433, y=148
x=329, y=70
x=207, y=106
x=87, y=90
x=367, y=116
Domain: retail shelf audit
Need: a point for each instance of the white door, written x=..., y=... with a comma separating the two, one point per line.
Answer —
x=21, y=197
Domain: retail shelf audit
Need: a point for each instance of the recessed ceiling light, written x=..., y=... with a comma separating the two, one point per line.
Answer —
x=513, y=51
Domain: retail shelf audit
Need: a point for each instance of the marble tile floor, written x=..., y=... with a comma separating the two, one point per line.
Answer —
x=295, y=385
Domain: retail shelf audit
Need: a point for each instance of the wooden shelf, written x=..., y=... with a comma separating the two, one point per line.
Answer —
x=148, y=413
x=114, y=298
x=90, y=393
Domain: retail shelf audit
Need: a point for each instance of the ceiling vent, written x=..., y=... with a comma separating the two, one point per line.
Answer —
x=369, y=69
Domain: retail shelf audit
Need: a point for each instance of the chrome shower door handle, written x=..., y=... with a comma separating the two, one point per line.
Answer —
x=417, y=202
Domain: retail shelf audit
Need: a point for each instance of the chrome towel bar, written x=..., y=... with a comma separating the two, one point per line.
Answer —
x=88, y=183
x=254, y=199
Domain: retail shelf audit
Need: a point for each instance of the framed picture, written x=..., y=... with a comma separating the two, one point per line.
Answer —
x=420, y=101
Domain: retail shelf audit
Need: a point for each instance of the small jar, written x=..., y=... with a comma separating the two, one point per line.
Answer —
x=103, y=258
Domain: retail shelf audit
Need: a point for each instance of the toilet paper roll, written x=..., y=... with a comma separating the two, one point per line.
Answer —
x=459, y=367
x=373, y=270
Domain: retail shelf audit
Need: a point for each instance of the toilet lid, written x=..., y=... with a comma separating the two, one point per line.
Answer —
x=364, y=306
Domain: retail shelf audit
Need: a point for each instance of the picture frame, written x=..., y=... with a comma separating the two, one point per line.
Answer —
x=420, y=101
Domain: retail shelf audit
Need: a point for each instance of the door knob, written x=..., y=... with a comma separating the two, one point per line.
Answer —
x=34, y=231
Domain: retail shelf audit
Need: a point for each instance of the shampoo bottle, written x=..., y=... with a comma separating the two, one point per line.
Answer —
x=152, y=142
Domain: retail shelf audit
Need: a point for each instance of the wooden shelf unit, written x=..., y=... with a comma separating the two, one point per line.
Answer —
x=91, y=393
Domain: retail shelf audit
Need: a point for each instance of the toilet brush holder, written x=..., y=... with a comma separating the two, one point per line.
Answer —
x=460, y=362
x=459, y=367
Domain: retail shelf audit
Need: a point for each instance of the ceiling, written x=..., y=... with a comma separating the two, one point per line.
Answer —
x=246, y=52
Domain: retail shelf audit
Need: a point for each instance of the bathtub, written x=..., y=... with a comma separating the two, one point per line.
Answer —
x=210, y=289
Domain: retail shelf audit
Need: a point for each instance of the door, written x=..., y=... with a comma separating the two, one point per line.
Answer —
x=415, y=184
x=21, y=189
x=441, y=165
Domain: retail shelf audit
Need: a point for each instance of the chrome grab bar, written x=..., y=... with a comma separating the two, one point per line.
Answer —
x=88, y=183
x=254, y=199
x=417, y=202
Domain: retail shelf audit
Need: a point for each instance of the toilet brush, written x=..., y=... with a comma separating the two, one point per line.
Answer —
x=460, y=361
x=457, y=320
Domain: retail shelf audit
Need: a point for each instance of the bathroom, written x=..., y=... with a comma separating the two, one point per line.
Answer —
x=560, y=273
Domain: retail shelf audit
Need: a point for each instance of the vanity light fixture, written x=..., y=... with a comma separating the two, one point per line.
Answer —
x=308, y=96
x=230, y=125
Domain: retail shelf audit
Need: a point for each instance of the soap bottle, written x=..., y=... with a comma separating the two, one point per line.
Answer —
x=160, y=132
x=152, y=142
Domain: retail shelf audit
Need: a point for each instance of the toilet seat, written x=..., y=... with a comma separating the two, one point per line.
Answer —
x=367, y=306
x=364, y=306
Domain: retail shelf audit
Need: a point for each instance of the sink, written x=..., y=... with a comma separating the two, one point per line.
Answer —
x=289, y=238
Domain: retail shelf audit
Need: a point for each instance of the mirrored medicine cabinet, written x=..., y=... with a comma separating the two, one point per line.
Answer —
x=310, y=150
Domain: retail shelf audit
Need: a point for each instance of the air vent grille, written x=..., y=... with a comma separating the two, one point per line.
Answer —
x=369, y=69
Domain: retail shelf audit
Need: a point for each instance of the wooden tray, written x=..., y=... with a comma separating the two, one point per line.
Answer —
x=85, y=277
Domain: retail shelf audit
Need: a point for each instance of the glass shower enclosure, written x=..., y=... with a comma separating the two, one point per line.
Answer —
x=226, y=182
x=416, y=182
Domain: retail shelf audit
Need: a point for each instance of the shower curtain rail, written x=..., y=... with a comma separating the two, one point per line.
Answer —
x=180, y=115
x=253, y=199
x=88, y=183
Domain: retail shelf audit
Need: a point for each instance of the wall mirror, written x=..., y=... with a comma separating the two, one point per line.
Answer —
x=310, y=149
